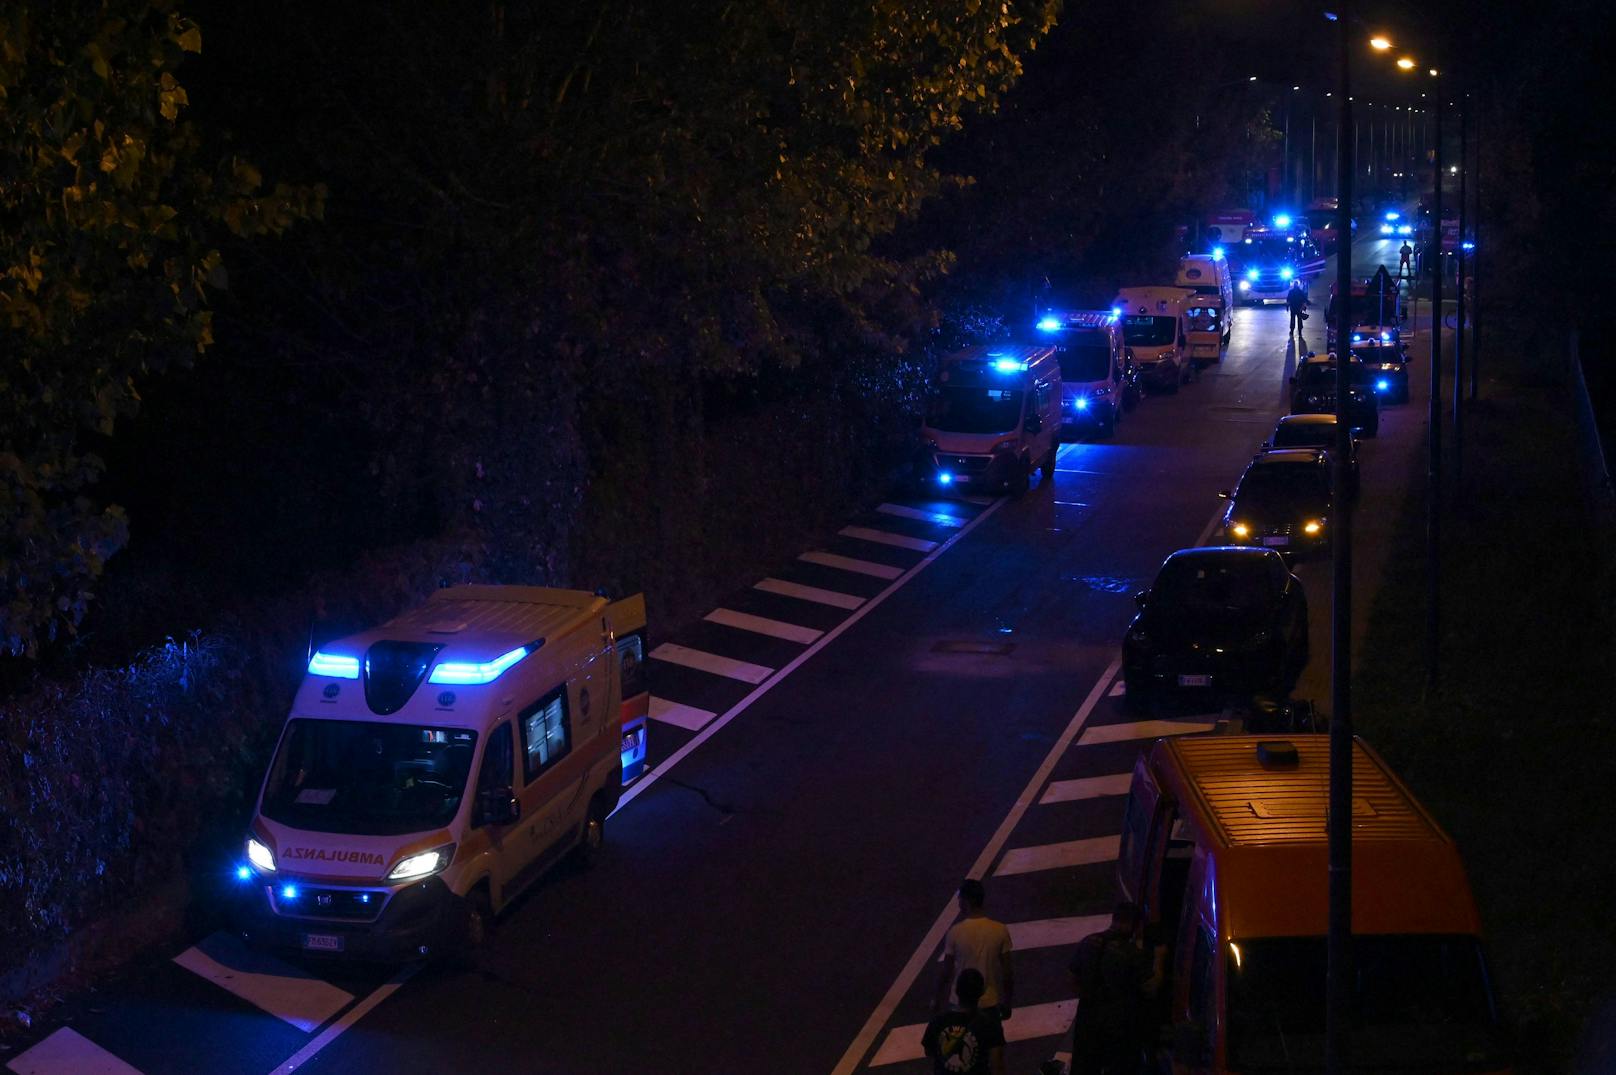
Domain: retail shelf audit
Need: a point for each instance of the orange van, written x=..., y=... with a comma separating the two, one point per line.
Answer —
x=1224, y=851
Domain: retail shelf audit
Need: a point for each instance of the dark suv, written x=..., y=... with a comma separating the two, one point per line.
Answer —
x=1313, y=392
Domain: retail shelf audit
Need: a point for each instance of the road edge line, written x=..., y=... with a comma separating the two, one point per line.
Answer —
x=346, y=1020
x=715, y=726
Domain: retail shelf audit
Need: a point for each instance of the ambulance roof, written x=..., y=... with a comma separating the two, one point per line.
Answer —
x=1055, y=320
x=1264, y=810
x=479, y=623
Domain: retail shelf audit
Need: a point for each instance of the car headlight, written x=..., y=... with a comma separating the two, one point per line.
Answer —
x=1164, y=356
x=425, y=864
x=1245, y=285
x=1312, y=526
x=260, y=856
x=1240, y=530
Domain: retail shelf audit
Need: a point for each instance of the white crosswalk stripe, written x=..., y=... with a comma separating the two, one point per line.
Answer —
x=939, y=517
x=809, y=593
x=884, y=537
x=67, y=1052
x=744, y=671
x=687, y=717
x=1055, y=856
x=848, y=563
x=265, y=982
x=1088, y=787
x=745, y=621
x=1051, y=932
x=1118, y=689
x=1140, y=729
x=1027, y=1023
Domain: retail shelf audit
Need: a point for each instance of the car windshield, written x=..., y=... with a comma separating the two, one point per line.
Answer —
x=1304, y=435
x=1317, y=373
x=366, y=777
x=1422, y=1001
x=1284, y=486
x=1147, y=330
x=1223, y=583
x=961, y=409
x=1085, y=359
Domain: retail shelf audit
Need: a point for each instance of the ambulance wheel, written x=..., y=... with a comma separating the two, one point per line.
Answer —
x=476, y=928
x=1171, y=388
x=1021, y=481
x=593, y=839
x=1109, y=430
x=1047, y=464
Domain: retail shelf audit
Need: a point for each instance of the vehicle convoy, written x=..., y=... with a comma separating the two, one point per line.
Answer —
x=1224, y=851
x=1268, y=259
x=1154, y=327
x=1097, y=384
x=1229, y=619
x=1313, y=431
x=994, y=415
x=434, y=767
x=1282, y=502
x=1208, y=321
x=1313, y=392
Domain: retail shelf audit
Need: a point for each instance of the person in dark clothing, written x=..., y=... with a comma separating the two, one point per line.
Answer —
x=966, y=1040
x=1113, y=976
x=1296, y=300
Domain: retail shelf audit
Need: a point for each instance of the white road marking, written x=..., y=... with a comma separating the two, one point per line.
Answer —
x=1118, y=689
x=1032, y=1021
x=67, y=1052
x=1055, y=856
x=1140, y=729
x=980, y=501
x=809, y=593
x=886, y=537
x=687, y=717
x=941, y=518
x=847, y=563
x=349, y=1018
x=744, y=671
x=745, y=621
x=1088, y=787
x=1052, y=932
x=265, y=982
x=934, y=936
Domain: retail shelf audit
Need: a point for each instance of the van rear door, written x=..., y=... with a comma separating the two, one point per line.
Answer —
x=627, y=619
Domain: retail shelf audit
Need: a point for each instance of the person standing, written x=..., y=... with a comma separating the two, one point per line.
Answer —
x=1404, y=256
x=1114, y=978
x=966, y=1040
x=977, y=942
x=1296, y=301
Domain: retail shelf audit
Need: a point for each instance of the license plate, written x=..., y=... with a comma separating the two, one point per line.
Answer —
x=1195, y=681
x=1277, y=540
x=322, y=942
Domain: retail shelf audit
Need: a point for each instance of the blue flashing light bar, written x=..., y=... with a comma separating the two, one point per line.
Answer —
x=1357, y=337
x=1008, y=365
x=1385, y=337
x=1469, y=245
x=1282, y=220
x=1286, y=273
x=1082, y=403
x=288, y=892
x=243, y=873
x=1392, y=214
x=334, y=665
x=1383, y=385
x=1251, y=274
x=1217, y=252
x=1049, y=324
x=467, y=673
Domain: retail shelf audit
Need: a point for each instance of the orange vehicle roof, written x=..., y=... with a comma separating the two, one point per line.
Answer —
x=1265, y=825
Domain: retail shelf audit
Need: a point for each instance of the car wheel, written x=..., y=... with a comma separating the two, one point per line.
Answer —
x=476, y=928
x=1021, y=481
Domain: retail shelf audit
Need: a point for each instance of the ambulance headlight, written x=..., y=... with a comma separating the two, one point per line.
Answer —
x=260, y=856
x=1386, y=229
x=1245, y=285
x=425, y=864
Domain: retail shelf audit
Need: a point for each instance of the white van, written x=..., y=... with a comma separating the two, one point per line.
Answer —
x=1094, y=369
x=994, y=415
x=434, y=767
x=1211, y=318
x=1153, y=327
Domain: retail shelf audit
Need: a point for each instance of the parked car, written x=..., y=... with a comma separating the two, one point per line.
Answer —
x=1313, y=431
x=1313, y=392
x=1283, y=502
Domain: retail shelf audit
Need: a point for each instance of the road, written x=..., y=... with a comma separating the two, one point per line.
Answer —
x=930, y=694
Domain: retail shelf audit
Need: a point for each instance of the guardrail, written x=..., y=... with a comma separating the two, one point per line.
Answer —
x=1601, y=490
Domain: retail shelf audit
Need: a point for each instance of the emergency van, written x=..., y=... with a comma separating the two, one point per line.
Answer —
x=1209, y=275
x=1094, y=368
x=1224, y=852
x=994, y=414
x=1153, y=328
x=434, y=767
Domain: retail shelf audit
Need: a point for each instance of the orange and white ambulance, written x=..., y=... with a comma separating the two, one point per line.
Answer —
x=435, y=766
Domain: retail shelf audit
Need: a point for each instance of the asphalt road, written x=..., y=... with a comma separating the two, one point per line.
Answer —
x=768, y=896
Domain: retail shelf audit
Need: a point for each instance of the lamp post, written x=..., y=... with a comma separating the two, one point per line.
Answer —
x=1433, y=460
x=1475, y=280
x=1459, y=295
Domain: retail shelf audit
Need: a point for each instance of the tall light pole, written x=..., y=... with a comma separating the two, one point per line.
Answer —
x=1475, y=280
x=1459, y=294
x=1433, y=461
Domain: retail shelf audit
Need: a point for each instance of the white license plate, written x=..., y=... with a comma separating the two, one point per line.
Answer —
x=1277, y=540
x=322, y=942
x=1195, y=681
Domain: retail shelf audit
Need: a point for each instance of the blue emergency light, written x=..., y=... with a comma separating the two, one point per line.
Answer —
x=334, y=665
x=1392, y=214
x=1286, y=273
x=1251, y=274
x=1082, y=403
x=1217, y=253
x=1049, y=324
x=1282, y=220
x=1382, y=385
x=945, y=478
x=1008, y=365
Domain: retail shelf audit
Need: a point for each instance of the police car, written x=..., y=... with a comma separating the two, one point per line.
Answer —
x=1385, y=357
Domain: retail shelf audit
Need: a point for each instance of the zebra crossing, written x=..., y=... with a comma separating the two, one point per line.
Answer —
x=1050, y=893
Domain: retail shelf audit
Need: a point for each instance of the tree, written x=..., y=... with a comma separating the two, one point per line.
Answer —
x=109, y=216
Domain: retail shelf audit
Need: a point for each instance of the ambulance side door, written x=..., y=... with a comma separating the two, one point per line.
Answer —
x=544, y=739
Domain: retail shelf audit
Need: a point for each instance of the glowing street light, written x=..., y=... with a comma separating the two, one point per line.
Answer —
x=1406, y=64
x=1379, y=43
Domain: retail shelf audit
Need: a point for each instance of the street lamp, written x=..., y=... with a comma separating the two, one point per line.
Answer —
x=1406, y=64
x=1379, y=43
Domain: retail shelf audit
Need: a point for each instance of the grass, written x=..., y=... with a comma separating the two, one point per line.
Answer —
x=1516, y=752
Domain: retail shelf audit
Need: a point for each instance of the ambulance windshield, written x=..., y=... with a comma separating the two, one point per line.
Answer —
x=1148, y=330
x=962, y=409
x=367, y=778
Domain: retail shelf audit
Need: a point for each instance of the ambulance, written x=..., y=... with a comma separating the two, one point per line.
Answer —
x=1153, y=327
x=993, y=416
x=1225, y=853
x=1094, y=369
x=434, y=767
x=1209, y=319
